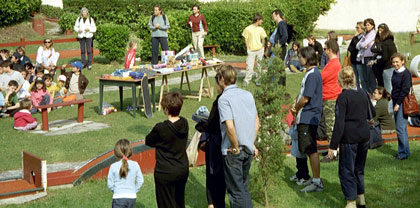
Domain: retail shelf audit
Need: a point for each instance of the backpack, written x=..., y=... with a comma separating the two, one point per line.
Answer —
x=291, y=33
x=163, y=16
x=80, y=18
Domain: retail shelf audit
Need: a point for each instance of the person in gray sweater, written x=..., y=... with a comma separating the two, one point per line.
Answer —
x=159, y=24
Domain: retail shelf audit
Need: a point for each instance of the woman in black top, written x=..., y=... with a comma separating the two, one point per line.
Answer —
x=401, y=84
x=351, y=132
x=312, y=42
x=215, y=180
x=384, y=47
x=170, y=139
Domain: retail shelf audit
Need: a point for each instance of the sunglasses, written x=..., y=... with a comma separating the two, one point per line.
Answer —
x=47, y=41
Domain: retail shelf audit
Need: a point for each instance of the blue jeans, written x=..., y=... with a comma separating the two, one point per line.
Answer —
x=370, y=78
x=351, y=169
x=356, y=74
x=362, y=75
x=387, y=74
x=401, y=126
x=236, y=169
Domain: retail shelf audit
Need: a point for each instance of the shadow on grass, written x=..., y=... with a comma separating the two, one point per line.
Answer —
x=139, y=204
x=101, y=60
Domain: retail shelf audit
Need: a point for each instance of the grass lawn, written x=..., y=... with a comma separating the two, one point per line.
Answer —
x=389, y=183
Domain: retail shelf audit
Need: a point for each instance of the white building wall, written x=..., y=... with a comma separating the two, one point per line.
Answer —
x=56, y=3
x=399, y=15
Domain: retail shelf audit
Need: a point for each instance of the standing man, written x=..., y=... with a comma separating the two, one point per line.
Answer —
x=239, y=125
x=281, y=35
x=307, y=110
x=159, y=24
x=85, y=27
x=330, y=91
x=254, y=39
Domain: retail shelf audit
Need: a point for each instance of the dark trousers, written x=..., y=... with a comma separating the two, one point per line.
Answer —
x=123, y=203
x=216, y=189
x=170, y=193
x=45, y=101
x=155, y=47
x=86, y=45
x=302, y=168
x=283, y=52
x=378, y=69
x=351, y=169
x=236, y=169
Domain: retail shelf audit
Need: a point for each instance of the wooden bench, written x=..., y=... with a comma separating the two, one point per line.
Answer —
x=412, y=37
x=44, y=111
x=213, y=48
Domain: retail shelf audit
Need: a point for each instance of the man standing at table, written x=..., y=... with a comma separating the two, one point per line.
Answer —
x=254, y=39
x=239, y=125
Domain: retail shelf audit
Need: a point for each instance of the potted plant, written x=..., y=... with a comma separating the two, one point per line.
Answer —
x=38, y=24
x=67, y=21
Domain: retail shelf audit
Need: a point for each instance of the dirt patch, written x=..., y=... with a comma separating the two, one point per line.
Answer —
x=24, y=30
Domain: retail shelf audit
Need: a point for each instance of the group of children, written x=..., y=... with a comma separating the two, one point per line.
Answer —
x=24, y=87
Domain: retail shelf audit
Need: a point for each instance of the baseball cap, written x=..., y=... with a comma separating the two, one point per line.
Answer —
x=17, y=55
x=77, y=64
x=62, y=78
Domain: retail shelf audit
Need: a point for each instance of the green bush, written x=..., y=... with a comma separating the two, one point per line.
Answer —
x=124, y=11
x=179, y=36
x=67, y=20
x=112, y=40
x=13, y=12
x=51, y=11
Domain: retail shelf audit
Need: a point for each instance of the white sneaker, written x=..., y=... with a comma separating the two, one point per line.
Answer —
x=313, y=187
x=294, y=178
x=303, y=182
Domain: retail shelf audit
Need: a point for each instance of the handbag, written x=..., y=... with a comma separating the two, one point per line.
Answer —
x=410, y=106
x=375, y=139
x=346, y=61
x=376, y=47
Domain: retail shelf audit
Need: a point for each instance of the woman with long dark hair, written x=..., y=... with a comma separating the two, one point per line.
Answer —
x=366, y=55
x=198, y=25
x=159, y=24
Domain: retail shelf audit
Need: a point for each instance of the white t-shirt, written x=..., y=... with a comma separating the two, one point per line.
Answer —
x=6, y=77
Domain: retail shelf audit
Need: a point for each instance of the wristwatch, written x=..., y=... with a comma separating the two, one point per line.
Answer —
x=234, y=150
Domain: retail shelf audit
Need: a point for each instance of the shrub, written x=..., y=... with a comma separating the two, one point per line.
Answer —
x=51, y=11
x=112, y=40
x=271, y=101
x=67, y=20
x=179, y=36
x=124, y=11
x=13, y=12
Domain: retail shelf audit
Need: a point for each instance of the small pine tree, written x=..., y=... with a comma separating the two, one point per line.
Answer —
x=271, y=101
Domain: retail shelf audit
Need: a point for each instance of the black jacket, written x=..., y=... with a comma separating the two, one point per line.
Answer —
x=170, y=140
x=401, y=84
x=281, y=35
x=214, y=158
x=388, y=49
x=351, y=114
x=353, y=50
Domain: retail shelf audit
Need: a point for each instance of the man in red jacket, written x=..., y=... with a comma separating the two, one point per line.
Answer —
x=330, y=91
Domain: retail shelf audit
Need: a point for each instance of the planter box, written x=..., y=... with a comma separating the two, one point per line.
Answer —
x=69, y=32
x=38, y=26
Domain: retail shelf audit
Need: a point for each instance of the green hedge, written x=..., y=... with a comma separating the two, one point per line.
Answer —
x=112, y=40
x=67, y=21
x=13, y=12
x=51, y=11
x=124, y=11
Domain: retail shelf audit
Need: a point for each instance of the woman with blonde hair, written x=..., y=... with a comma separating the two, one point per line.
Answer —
x=85, y=27
x=46, y=57
x=355, y=62
x=351, y=133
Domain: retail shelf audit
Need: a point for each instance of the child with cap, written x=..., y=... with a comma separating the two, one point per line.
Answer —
x=76, y=82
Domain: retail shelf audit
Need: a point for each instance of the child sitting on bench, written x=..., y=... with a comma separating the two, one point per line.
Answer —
x=40, y=95
x=76, y=82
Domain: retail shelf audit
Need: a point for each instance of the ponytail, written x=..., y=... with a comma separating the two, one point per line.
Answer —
x=123, y=151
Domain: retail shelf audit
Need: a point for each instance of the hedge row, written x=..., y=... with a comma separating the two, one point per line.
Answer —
x=51, y=11
x=226, y=19
x=13, y=12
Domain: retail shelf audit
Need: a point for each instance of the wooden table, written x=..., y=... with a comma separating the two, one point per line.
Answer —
x=204, y=75
x=133, y=83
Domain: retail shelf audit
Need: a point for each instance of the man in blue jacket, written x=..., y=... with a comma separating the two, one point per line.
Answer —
x=281, y=35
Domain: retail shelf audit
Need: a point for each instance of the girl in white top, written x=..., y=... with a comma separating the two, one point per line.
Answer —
x=124, y=177
x=46, y=56
x=85, y=27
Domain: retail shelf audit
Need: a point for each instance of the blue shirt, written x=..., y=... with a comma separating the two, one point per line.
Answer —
x=238, y=105
x=125, y=187
x=311, y=87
